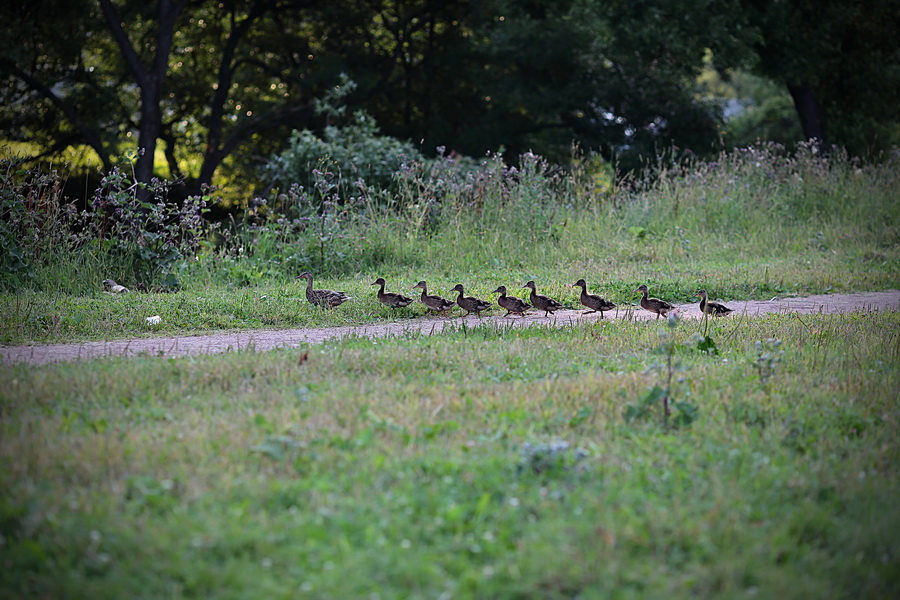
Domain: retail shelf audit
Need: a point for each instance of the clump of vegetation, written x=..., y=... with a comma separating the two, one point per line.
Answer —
x=132, y=232
x=354, y=155
x=664, y=395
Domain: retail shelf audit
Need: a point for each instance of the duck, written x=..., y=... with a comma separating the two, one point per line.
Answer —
x=322, y=298
x=510, y=303
x=544, y=303
x=654, y=305
x=114, y=288
x=592, y=301
x=712, y=308
x=441, y=305
x=470, y=304
x=391, y=299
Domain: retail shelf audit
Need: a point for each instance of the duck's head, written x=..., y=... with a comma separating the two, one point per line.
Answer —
x=580, y=283
x=500, y=290
x=379, y=281
x=305, y=275
x=420, y=285
x=530, y=284
x=458, y=288
x=642, y=289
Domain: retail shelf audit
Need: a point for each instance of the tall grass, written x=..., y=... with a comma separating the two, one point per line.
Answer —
x=753, y=224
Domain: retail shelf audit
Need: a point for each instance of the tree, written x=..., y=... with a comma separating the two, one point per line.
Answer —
x=840, y=61
x=202, y=77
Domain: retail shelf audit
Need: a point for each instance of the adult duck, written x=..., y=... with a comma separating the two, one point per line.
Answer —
x=470, y=304
x=322, y=298
x=712, y=308
x=654, y=305
x=592, y=301
x=544, y=303
x=512, y=304
x=436, y=303
x=391, y=299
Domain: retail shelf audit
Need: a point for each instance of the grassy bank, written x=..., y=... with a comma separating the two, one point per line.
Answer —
x=485, y=463
x=752, y=225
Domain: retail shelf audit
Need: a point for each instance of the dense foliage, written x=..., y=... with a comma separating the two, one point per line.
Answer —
x=207, y=88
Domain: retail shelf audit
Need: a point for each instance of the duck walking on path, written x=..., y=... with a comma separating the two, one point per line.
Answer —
x=322, y=298
x=592, y=301
x=441, y=305
x=391, y=299
x=510, y=303
x=470, y=304
x=654, y=305
x=544, y=303
x=712, y=308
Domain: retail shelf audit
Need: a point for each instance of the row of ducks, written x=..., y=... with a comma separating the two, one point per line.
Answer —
x=513, y=305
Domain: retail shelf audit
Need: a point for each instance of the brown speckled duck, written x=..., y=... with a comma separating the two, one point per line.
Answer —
x=391, y=299
x=470, y=304
x=441, y=305
x=654, y=305
x=511, y=303
x=712, y=308
x=544, y=303
x=592, y=301
x=322, y=298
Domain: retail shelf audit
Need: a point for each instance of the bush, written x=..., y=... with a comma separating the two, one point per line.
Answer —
x=129, y=231
x=349, y=155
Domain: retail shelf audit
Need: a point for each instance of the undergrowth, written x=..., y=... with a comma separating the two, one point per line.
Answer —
x=756, y=223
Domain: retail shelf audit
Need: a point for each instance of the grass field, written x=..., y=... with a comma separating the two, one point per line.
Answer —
x=483, y=462
x=480, y=463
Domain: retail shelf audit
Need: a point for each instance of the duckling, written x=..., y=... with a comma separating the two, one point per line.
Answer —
x=114, y=288
x=470, y=304
x=322, y=298
x=712, y=308
x=544, y=303
x=510, y=303
x=592, y=301
x=391, y=299
x=441, y=305
x=654, y=305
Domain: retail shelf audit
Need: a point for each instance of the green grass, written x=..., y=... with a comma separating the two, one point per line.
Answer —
x=422, y=467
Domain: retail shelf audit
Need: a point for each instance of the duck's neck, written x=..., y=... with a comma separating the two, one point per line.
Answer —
x=424, y=292
x=309, y=284
x=381, y=290
x=460, y=291
x=703, y=302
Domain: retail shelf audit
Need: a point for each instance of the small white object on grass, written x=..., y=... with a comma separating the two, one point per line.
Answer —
x=154, y=320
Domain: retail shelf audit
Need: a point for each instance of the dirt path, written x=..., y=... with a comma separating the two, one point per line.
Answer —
x=267, y=339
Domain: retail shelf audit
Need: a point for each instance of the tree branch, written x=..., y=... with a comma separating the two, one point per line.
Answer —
x=90, y=136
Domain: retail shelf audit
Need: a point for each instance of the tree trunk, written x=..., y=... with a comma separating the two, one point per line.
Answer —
x=811, y=118
x=149, y=80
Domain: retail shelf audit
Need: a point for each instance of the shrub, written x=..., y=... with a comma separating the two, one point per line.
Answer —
x=129, y=231
x=351, y=155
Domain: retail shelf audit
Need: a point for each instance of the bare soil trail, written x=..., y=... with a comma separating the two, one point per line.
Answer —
x=268, y=339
